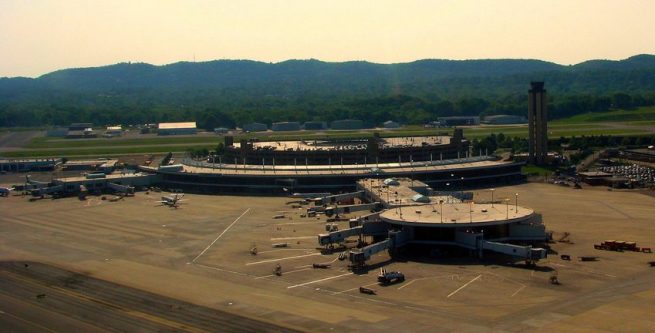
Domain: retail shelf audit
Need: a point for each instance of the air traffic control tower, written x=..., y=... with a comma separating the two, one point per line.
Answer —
x=537, y=124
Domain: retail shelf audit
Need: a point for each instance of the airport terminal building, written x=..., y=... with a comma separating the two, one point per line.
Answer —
x=273, y=168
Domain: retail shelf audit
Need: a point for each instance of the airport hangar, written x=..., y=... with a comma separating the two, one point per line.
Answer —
x=279, y=167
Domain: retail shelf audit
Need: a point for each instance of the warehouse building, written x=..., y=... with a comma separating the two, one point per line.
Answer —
x=81, y=130
x=221, y=130
x=315, y=125
x=391, y=124
x=459, y=121
x=504, y=119
x=255, y=127
x=186, y=128
x=58, y=132
x=113, y=131
x=79, y=126
x=286, y=126
x=347, y=124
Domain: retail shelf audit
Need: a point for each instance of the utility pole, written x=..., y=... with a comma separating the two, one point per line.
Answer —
x=441, y=209
x=471, y=211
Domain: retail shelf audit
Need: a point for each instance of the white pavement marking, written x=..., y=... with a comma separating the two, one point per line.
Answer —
x=464, y=286
x=278, y=250
x=280, y=259
x=585, y=271
x=223, y=270
x=289, y=272
x=452, y=277
x=320, y=280
x=290, y=238
x=351, y=289
x=329, y=262
x=406, y=284
x=221, y=235
x=517, y=291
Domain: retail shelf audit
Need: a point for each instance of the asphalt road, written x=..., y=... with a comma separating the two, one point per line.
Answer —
x=43, y=298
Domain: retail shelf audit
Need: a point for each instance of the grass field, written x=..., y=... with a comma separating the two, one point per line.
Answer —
x=640, y=114
x=536, y=170
x=622, y=122
x=46, y=142
x=104, y=151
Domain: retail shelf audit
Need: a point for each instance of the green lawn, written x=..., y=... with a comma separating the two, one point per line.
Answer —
x=45, y=142
x=640, y=114
x=631, y=122
x=100, y=151
x=536, y=170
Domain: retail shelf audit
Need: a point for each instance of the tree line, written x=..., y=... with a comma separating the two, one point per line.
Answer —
x=218, y=110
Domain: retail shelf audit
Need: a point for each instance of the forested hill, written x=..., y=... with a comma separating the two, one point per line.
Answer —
x=236, y=91
x=292, y=73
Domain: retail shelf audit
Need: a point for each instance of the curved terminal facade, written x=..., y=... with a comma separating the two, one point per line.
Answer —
x=413, y=213
x=428, y=159
x=206, y=177
x=434, y=217
x=439, y=223
x=346, y=151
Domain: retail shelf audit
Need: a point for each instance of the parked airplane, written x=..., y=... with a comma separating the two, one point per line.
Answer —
x=4, y=191
x=172, y=200
x=307, y=195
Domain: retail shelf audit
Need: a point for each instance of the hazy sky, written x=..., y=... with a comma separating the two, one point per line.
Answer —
x=37, y=37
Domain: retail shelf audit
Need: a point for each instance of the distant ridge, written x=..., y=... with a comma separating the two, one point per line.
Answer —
x=304, y=74
x=238, y=91
x=240, y=73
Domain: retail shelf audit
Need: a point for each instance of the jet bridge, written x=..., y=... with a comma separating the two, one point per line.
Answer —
x=527, y=253
x=125, y=189
x=336, y=210
x=397, y=238
x=475, y=241
x=50, y=190
x=365, y=228
x=338, y=236
x=330, y=199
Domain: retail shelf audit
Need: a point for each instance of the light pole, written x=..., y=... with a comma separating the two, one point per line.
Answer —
x=388, y=194
x=441, y=209
x=507, y=204
x=461, y=188
x=395, y=200
x=448, y=190
x=400, y=207
x=492, y=197
x=516, y=203
x=471, y=211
